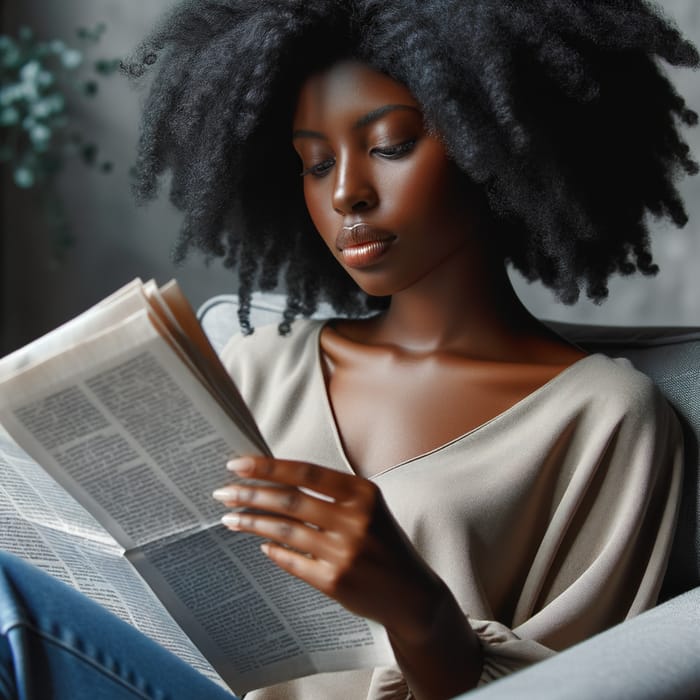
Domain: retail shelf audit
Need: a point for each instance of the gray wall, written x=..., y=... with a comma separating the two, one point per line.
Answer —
x=116, y=241
x=673, y=296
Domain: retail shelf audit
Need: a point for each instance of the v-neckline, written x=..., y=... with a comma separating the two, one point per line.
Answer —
x=320, y=380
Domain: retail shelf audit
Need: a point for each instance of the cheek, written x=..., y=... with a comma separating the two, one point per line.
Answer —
x=322, y=215
x=426, y=190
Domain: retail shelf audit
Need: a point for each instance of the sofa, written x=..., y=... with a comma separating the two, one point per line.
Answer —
x=656, y=655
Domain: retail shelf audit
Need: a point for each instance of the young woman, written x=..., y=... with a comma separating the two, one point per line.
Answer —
x=446, y=466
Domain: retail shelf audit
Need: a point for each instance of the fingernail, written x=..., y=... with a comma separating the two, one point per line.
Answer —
x=241, y=465
x=224, y=494
x=231, y=520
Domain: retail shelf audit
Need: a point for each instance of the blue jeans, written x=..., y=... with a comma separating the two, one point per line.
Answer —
x=57, y=644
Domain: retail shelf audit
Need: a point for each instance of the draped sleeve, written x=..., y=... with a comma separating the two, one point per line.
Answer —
x=605, y=550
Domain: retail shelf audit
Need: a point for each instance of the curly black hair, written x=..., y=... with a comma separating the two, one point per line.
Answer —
x=558, y=109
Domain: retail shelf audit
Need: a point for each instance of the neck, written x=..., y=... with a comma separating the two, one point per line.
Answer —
x=466, y=305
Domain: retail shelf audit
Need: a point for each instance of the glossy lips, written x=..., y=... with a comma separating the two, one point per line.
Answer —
x=362, y=245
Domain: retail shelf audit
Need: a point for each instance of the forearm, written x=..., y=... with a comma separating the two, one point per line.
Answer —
x=441, y=657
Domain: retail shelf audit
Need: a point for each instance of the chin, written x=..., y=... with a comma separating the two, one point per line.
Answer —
x=377, y=287
x=383, y=285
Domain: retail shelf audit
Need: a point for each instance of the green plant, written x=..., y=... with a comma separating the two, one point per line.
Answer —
x=40, y=82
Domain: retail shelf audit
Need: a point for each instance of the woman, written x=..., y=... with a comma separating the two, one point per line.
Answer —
x=447, y=467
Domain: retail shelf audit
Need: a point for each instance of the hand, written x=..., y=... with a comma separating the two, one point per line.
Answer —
x=334, y=531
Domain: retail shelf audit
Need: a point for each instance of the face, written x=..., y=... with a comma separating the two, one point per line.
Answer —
x=379, y=188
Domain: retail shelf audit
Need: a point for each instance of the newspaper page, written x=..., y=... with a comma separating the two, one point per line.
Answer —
x=131, y=432
x=42, y=524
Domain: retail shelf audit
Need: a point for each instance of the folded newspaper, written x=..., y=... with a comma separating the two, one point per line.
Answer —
x=132, y=418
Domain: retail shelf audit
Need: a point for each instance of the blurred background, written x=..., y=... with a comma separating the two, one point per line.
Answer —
x=62, y=252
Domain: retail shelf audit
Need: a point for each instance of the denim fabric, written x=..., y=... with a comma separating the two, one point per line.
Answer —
x=57, y=644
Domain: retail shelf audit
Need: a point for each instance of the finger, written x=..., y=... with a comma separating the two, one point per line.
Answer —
x=316, y=572
x=283, y=531
x=290, y=502
x=322, y=480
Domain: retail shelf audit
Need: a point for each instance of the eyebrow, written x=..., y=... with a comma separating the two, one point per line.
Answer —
x=364, y=120
x=380, y=112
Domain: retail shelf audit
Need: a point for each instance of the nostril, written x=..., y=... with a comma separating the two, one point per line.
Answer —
x=360, y=206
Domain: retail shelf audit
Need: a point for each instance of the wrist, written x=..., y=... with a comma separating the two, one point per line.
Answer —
x=433, y=616
x=422, y=604
x=439, y=654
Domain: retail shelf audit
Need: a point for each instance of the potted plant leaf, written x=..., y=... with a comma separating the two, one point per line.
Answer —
x=40, y=83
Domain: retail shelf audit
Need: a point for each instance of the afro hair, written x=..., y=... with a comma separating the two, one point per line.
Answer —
x=558, y=109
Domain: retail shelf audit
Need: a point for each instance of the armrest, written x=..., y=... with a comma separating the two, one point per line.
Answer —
x=655, y=656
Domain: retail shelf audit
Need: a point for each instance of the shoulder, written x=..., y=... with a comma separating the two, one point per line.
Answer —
x=616, y=382
x=266, y=351
x=621, y=402
x=278, y=378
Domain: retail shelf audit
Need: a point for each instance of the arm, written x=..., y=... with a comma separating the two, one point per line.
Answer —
x=433, y=663
x=346, y=544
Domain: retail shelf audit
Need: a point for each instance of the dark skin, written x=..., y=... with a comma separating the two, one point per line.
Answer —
x=454, y=349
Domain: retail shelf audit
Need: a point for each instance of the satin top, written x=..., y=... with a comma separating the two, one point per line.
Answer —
x=550, y=522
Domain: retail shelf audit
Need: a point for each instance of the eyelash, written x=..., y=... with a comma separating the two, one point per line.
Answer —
x=388, y=152
x=320, y=169
x=396, y=151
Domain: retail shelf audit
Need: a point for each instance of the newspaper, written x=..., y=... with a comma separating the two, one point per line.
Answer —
x=132, y=417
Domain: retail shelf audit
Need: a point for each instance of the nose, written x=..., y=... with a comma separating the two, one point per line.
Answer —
x=353, y=190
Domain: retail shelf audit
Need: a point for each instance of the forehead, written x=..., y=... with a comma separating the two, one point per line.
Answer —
x=350, y=89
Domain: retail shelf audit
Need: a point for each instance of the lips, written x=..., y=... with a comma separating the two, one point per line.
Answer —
x=362, y=245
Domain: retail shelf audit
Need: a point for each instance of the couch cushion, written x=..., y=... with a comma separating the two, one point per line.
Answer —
x=652, y=657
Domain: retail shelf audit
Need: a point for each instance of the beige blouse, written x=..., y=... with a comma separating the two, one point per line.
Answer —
x=550, y=522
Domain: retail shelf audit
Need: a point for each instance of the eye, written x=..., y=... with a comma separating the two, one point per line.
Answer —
x=319, y=169
x=396, y=151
